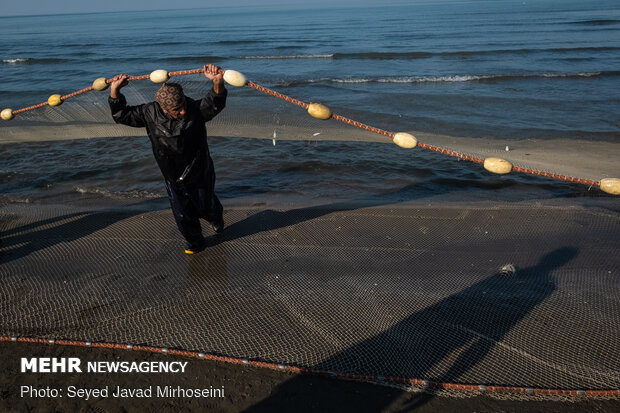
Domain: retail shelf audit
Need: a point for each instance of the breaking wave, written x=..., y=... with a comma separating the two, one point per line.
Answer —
x=464, y=53
x=426, y=54
x=311, y=56
x=27, y=61
x=116, y=194
x=451, y=78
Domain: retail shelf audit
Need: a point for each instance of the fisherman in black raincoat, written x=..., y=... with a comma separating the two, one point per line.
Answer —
x=175, y=125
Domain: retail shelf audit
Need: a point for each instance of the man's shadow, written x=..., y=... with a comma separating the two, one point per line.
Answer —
x=23, y=240
x=469, y=324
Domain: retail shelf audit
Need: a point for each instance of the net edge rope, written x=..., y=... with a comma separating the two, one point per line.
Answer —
x=423, y=384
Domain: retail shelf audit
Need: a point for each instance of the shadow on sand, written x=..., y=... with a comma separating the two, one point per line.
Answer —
x=23, y=240
x=471, y=323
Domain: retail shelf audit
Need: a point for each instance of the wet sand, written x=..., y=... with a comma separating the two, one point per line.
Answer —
x=413, y=289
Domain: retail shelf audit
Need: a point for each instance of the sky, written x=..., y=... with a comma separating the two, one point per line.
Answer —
x=34, y=7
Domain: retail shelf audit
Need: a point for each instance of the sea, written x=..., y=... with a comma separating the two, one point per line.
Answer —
x=502, y=69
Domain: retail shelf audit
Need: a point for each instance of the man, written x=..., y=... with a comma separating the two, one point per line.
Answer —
x=175, y=125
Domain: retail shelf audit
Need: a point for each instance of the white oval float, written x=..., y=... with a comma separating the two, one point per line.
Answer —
x=405, y=140
x=497, y=165
x=234, y=78
x=159, y=76
x=7, y=114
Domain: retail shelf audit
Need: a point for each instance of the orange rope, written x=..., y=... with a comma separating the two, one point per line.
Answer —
x=79, y=92
x=40, y=105
x=450, y=153
x=556, y=176
x=278, y=95
x=143, y=77
x=344, y=120
x=363, y=126
x=185, y=72
x=607, y=393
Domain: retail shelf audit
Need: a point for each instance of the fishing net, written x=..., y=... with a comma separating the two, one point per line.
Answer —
x=258, y=112
x=515, y=299
x=405, y=295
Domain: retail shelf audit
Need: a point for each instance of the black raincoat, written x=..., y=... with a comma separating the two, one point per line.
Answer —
x=179, y=145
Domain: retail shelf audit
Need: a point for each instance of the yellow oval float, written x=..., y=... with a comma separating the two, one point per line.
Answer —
x=497, y=165
x=405, y=140
x=7, y=114
x=319, y=111
x=159, y=76
x=54, y=100
x=100, y=84
x=611, y=185
x=234, y=78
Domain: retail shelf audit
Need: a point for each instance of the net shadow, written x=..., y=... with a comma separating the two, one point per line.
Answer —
x=479, y=315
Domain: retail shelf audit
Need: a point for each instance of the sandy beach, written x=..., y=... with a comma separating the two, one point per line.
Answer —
x=412, y=290
x=353, y=274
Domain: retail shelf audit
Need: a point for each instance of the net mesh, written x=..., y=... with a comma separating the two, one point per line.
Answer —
x=406, y=292
x=392, y=291
x=248, y=114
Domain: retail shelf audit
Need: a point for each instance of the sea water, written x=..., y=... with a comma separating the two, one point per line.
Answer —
x=495, y=69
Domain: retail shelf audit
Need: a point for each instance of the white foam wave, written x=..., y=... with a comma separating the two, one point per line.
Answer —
x=361, y=80
x=406, y=79
x=310, y=56
x=454, y=78
x=580, y=74
x=116, y=194
x=14, y=61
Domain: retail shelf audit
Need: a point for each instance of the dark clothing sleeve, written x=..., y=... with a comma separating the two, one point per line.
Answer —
x=127, y=115
x=212, y=104
x=179, y=145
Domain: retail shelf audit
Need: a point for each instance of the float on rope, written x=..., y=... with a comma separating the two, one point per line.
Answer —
x=405, y=140
x=316, y=110
x=497, y=165
x=611, y=185
x=159, y=76
x=7, y=114
x=55, y=100
x=100, y=84
x=234, y=78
